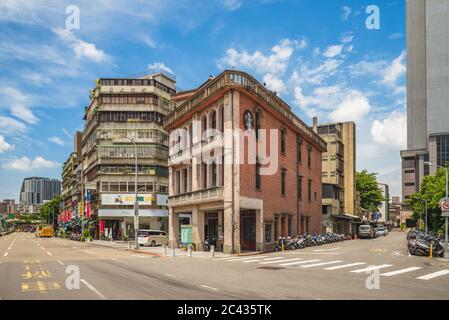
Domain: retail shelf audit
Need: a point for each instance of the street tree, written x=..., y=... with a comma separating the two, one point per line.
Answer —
x=433, y=188
x=370, y=194
x=50, y=210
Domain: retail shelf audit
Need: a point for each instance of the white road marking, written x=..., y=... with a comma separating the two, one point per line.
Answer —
x=88, y=251
x=243, y=259
x=42, y=248
x=9, y=248
x=49, y=253
x=6, y=254
x=170, y=275
x=393, y=273
x=251, y=261
x=207, y=287
x=270, y=259
x=325, y=250
x=372, y=268
x=321, y=264
x=92, y=288
x=61, y=263
x=279, y=261
x=138, y=256
x=434, y=275
x=345, y=266
x=300, y=262
x=316, y=253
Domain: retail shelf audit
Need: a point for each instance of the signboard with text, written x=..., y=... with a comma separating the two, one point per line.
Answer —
x=126, y=199
x=444, y=204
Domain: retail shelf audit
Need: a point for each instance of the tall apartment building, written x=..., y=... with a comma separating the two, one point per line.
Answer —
x=339, y=175
x=36, y=190
x=124, y=115
x=71, y=179
x=384, y=208
x=427, y=91
x=217, y=190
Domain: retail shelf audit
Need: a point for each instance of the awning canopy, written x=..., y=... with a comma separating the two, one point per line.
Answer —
x=346, y=216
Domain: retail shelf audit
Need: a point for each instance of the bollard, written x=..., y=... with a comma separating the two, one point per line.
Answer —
x=129, y=244
x=212, y=250
x=173, y=252
x=282, y=246
x=189, y=250
x=431, y=251
x=165, y=249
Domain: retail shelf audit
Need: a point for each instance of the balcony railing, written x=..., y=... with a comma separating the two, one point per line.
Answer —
x=195, y=197
x=236, y=78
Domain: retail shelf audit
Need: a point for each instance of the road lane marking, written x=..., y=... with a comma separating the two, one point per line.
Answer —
x=118, y=260
x=49, y=253
x=88, y=251
x=61, y=263
x=210, y=288
x=325, y=250
x=251, y=261
x=270, y=259
x=321, y=264
x=170, y=275
x=345, y=266
x=393, y=273
x=42, y=248
x=279, y=261
x=299, y=262
x=6, y=254
x=434, y=275
x=243, y=259
x=372, y=268
x=92, y=288
x=9, y=248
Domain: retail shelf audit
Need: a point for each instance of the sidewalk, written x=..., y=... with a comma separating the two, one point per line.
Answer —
x=161, y=251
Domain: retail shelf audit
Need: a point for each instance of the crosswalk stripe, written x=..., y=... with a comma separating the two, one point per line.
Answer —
x=300, y=262
x=393, y=273
x=277, y=258
x=279, y=261
x=243, y=259
x=345, y=266
x=372, y=268
x=251, y=261
x=434, y=275
x=321, y=264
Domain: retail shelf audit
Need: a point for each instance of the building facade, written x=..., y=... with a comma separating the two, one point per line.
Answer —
x=125, y=118
x=245, y=205
x=37, y=190
x=427, y=91
x=383, y=215
x=339, y=175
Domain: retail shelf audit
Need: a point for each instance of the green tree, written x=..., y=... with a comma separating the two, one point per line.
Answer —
x=433, y=188
x=50, y=210
x=370, y=193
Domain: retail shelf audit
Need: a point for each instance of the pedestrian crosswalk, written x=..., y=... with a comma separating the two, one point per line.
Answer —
x=334, y=265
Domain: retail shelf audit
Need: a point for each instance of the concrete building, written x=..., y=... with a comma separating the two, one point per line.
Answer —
x=339, y=175
x=36, y=190
x=427, y=91
x=217, y=190
x=124, y=115
x=384, y=207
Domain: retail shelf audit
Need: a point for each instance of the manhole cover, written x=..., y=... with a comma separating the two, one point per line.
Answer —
x=271, y=268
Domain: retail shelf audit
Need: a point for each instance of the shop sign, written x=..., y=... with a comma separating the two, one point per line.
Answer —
x=126, y=199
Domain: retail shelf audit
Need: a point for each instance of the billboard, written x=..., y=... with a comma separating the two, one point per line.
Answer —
x=126, y=199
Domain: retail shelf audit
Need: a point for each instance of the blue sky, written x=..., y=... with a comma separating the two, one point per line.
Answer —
x=318, y=55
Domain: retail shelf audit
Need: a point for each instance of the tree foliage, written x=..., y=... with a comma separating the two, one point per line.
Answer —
x=433, y=188
x=50, y=210
x=370, y=193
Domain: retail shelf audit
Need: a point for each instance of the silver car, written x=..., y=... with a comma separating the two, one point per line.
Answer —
x=381, y=231
x=367, y=231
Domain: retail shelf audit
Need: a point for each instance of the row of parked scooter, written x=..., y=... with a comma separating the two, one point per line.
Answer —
x=420, y=242
x=307, y=240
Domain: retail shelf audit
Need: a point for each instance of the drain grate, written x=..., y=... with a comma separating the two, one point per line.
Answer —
x=270, y=268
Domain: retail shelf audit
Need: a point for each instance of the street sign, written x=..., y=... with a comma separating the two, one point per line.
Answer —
x=186, y=234
x=444, y=204
x=90, y=186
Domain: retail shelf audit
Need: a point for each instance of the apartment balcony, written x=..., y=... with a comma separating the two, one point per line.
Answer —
x=196, y=197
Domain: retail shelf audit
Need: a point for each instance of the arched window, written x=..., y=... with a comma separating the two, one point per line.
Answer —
x=203, y=126
x=283, y=140
x=213, y=120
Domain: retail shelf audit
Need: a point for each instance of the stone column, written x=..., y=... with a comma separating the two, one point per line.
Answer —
x=173, y=229
x=197, y=228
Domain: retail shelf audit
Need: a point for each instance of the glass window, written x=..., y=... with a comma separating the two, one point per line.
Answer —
x=283, y=177
x=283, y=140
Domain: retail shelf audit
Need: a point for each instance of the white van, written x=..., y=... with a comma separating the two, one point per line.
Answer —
x=152, y=238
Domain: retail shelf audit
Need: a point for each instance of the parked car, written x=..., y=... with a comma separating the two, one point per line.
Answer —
x=367, y=231
x=381, y=231
x=152, y=238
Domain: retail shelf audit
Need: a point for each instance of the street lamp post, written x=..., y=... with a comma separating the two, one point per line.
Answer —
x=446, y=251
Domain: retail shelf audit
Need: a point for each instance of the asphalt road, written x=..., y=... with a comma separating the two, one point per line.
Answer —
x=32, y=268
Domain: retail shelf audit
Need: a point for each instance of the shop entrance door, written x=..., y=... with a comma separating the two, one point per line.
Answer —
x=248, y=230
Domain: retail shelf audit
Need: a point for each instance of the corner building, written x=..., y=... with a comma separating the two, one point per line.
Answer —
x=231, y=201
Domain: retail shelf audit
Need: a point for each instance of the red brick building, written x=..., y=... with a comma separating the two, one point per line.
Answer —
x=243, y=169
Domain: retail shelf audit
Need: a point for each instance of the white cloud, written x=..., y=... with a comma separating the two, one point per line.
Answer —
x=275, y=63
x=391, y=131
x=274, y=83
x=56, y=140
x=18, y=104
x=347, y=38
x=232, y=4
x=354, y=107
x=26, y=164
x=396, y=70
x=81, y=48
x=161, y=66
x=316, y=75
x=333, y=51
x=148, y=40
x=346, y=13
x=395, y=36
x=11, y=126
x=4, y=146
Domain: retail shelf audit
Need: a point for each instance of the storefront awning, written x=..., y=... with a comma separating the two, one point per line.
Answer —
x=346, y=217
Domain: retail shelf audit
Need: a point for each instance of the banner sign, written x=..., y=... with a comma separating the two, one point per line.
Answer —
x=126, y=199
x=88, y=195
x=88, y=210
x=102, y=224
